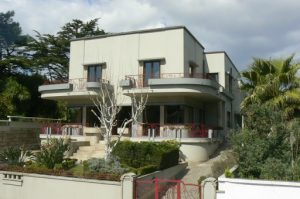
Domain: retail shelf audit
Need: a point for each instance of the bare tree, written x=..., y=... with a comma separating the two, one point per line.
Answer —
x=107, y=110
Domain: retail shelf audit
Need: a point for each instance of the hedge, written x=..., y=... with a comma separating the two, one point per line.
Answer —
x=137, y=155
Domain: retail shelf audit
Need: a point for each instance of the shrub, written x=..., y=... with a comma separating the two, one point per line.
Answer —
x=101, y=166
x=146, y=169
x=53, y=152
x=228, y=173
x=15, y=156
x=141, y=154
x=268, y=146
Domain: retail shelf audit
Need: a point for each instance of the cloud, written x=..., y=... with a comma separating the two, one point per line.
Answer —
x=244, y=28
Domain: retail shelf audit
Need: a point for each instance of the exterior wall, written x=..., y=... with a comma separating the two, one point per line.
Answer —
x=17, y=134
x=232, y=188
x=34, y=186
x=198, y=151
x=139, y=46
x=193, y=52
x=216, y=64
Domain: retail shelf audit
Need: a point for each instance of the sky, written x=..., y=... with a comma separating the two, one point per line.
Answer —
x=245, y=29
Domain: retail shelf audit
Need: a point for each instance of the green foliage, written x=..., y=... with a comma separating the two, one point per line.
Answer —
x=274, y=82
x=51, y=52
x=264, y=146
x=228, y=173
x=53, y=152
x=101, y=166
x=140, y=154
x=15, y=156
x=146, y=169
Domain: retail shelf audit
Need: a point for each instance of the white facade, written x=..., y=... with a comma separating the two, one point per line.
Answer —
x=190, y=90
x=231, y=188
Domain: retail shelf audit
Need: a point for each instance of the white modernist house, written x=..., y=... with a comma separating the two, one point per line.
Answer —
x=193, y=95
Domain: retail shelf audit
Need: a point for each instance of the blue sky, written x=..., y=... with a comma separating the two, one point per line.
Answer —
x=243, y=28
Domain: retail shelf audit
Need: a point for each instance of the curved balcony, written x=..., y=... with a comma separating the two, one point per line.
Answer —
x=173, y=83
x=79, y=87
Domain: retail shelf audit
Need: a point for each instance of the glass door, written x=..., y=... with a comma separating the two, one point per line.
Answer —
x=151, y=71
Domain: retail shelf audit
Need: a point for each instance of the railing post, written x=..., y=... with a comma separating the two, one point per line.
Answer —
x=178, y=190
x=149, y=134
x=153, y=134
x=156, y=184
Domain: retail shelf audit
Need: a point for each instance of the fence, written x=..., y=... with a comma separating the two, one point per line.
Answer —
x=193, y=130
x=140, y=81
x=167, y=189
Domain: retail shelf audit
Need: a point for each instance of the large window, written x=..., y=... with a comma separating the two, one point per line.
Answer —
x=174, y=114
x=75, y=115
x=94, y=73
x=151, y=70
x=213, y=76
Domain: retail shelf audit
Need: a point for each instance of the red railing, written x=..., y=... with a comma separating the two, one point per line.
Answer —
x=192, y=130
x=79, y=84
x=160, y=188
x=61, y=129
x=142, y=80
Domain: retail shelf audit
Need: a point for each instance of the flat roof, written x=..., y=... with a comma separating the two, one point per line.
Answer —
x=140, y=31
x=224, y=52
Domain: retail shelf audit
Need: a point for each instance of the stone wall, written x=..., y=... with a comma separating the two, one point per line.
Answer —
x=20, y=134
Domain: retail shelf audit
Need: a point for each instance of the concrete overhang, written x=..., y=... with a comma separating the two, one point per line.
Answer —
x=182, y=81
x=55, y=87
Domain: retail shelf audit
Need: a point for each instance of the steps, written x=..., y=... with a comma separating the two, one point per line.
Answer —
x=87, y=152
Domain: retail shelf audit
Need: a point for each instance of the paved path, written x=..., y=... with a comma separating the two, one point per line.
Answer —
x=214, y=167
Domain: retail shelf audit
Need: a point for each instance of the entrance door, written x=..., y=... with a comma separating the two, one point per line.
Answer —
x=151, y=120
x=151, y=71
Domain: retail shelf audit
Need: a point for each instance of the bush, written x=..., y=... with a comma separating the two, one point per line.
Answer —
x=53, y=152
x=15, y=156
x=99, y=165
x=162, y=155
x=268, y=146
x=146, y=169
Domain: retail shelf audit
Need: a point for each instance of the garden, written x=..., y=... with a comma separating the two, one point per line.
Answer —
x=52, y=159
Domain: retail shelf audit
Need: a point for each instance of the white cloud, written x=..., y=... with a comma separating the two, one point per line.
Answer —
x=244, y=28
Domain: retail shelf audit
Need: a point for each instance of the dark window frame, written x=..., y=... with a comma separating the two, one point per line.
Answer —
x=94, y=77
x=152, y=73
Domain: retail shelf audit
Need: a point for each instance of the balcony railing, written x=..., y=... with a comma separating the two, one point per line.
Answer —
x=140, y=81
x=61, y=129
x=79, y=84
x=173, y=131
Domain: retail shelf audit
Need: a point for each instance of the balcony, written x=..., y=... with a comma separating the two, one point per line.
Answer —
x=74, y=87
x=179, y=83
x=195, y=131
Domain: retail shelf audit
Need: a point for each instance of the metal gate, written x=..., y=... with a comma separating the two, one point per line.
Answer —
x=166, y=189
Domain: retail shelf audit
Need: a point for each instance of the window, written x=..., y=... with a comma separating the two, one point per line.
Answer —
x=75, y=115
x=213, y=76
x=151, y=71
x=201, y=116
x=228, y=119
x=94, y=73
x=192, y=71
x=174, y=114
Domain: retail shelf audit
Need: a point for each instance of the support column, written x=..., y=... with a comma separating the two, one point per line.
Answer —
x=83, y=116
x=161, y=118
x=137, y=127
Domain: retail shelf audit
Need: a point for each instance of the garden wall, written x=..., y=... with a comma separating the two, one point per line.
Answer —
x=20, y=134
x=15, y=185
x=233, y=188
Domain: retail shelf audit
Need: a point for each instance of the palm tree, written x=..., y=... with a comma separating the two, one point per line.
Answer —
x=272, y=81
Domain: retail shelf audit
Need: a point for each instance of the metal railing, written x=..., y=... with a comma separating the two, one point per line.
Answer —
x=30, y=119
x=142, y=79
x=173, y=131
x=166, y=188
x=61, y=129
x=79, y=84
x=4, y=122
